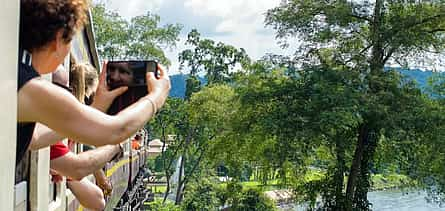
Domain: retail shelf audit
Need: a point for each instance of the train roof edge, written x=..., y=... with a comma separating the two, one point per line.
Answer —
x=92, y=41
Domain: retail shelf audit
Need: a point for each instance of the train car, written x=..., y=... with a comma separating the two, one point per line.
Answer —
x=28, y=186
x=136, y=193
x=118, y=172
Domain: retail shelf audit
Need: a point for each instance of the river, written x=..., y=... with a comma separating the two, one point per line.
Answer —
x=397, y=200
x=392, y=200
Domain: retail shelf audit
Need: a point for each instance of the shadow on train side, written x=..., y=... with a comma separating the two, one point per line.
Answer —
x=129, y=177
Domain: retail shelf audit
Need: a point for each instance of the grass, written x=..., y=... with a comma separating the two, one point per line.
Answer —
x=378, y=181
x=158, y=189
x=391, y=181
x=275, y=184
x=271, y=185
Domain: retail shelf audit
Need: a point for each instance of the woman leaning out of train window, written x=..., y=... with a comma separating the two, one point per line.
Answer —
x=76, y=166
x=46, y=29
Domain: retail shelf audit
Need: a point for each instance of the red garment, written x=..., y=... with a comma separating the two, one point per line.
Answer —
x=135, y=144
x=58, y=150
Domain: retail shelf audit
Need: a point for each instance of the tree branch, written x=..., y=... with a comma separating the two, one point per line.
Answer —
x=406, y=27
x=436, y=30
x=353, y=57
x=360, y=17
x=389, y=54
x=195, y=166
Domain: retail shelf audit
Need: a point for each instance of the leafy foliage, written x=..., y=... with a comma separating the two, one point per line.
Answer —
x=202, y=196
x=361, y=37
x=334, y=108
x=253, y=200
x=159, y=206
x=140, y=38
x=216, y=60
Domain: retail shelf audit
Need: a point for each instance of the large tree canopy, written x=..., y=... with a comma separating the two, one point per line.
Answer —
x=215, y=60
x=140, y=38
x=377, y=31
x=363, y=37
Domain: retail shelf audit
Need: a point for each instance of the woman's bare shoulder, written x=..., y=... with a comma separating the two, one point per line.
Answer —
x=41, y=96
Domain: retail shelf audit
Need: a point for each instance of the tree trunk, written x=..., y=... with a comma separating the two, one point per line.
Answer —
x=355, y=166
x=180, y=182
x=339, y=175
x=179, y=191
x=378, y=50
x=376, y=68
x=361, y=192
x=168, y=167
x=167, y=190
x=164, y=162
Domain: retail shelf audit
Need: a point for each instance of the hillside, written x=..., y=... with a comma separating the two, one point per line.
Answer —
x=178, y=81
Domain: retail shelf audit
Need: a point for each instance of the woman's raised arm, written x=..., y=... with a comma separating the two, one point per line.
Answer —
x=41, y=101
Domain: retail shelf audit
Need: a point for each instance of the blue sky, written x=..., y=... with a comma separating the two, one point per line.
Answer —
x=235, y=22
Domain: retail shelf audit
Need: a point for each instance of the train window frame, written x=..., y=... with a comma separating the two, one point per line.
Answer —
x=11, y=192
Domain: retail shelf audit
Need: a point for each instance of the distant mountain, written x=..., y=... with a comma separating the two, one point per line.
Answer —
x=178, y=84
x=178, y=81
x=421, y=77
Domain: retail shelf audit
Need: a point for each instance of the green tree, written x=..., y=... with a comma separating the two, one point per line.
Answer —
x=297, y=115
x=207, y=112
x=110, y=32
x=254, y=200
x=436, y=86
x=158, y=205
x=215, y=60
x=363, y=36
x=140, y=38
x=201, y=195
x=170, y=120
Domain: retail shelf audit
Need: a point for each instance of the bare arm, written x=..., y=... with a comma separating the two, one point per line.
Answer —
x=103, y=182
x=41, y=101
x=43, y=137
x=80, y=165
x=89, y=195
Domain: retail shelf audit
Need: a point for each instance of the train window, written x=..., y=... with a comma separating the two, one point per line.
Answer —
x=22, y=169
x=79, y=148
x=52, y=192
x=20, y=202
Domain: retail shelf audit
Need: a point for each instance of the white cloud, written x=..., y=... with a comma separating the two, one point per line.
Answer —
x=236, y=15
x=242, y=23
x=236, y=22
x=131, y=8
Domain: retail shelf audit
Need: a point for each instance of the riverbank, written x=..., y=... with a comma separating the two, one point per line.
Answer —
x=280, y=196
x=379, y=182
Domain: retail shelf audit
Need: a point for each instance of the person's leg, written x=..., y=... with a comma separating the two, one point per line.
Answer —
x=89, y=195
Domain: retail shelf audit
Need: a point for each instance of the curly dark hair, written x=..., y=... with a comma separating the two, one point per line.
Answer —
x=40, y=20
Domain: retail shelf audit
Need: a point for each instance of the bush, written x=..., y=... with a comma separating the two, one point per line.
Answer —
x=168, y=206
x=201, y=196
x=253, y=200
